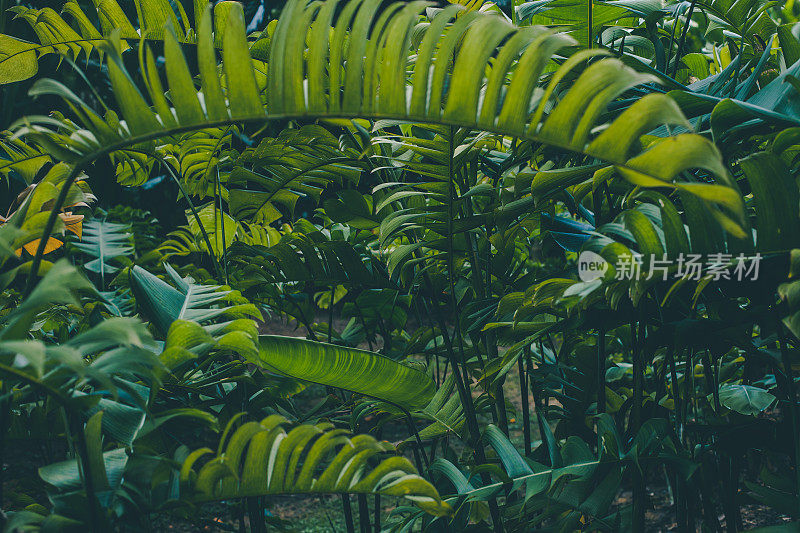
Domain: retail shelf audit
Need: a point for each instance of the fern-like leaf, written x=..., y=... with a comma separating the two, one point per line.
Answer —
x=448, y=76
x=261, y=458
x=104, y=241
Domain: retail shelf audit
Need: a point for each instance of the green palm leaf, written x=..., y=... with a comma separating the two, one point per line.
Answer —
x=204, y=157
x=164, y=304
x=261, y=458
x=19, y=59
x=116, y=347
x=444, y=411
x=464, y=52
x=298, y=163
x=104, y=241
x=308, y=258
x=60, y=286
x=454, y=80
x=23, y=158
x=195, y=318
x=584, y=19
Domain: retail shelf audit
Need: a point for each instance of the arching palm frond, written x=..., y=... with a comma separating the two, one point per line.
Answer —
x=261, y=458
x=449, y=84
x=19, y=59
x=369, y=80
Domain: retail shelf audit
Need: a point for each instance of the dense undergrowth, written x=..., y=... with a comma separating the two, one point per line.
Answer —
x=538, y=263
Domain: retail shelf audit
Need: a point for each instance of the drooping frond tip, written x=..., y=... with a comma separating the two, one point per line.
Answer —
x=262, y=458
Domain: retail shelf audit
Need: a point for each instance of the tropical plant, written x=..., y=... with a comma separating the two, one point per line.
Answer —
x=416, y=190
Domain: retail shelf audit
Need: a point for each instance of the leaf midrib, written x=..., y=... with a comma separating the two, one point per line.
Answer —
x=186, y=300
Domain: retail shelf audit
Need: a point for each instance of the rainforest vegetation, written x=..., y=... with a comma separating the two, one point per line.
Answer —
x=424, y=266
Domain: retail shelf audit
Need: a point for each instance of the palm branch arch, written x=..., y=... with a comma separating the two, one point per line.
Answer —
x=470, y=70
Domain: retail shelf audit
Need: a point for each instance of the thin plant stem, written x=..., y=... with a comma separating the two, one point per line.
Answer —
x=240, y=517
x=639, y=493
x=682, y=41
x=256, y=514
x=479, y=286
x=418, y=448
x=196, y=216
x=222, y=224
x=85, y=469
x=330, y=316
x=601, y=369
x=5, y=415
x=348, y=514
x=528, y=383
x=363, y=513
x=192, y=207
x=523, y=389
x=377, y=505
x=466, y=398
x=671, y=41
x=377, y=499
x=791, y=394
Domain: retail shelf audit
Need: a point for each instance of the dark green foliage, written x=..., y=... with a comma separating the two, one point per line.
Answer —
x=410, y=189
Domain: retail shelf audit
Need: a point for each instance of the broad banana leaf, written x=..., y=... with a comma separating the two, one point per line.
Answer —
x=745, y=399
x=351, y=369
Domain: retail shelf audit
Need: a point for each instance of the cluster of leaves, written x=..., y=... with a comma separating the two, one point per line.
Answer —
x=411, y=187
